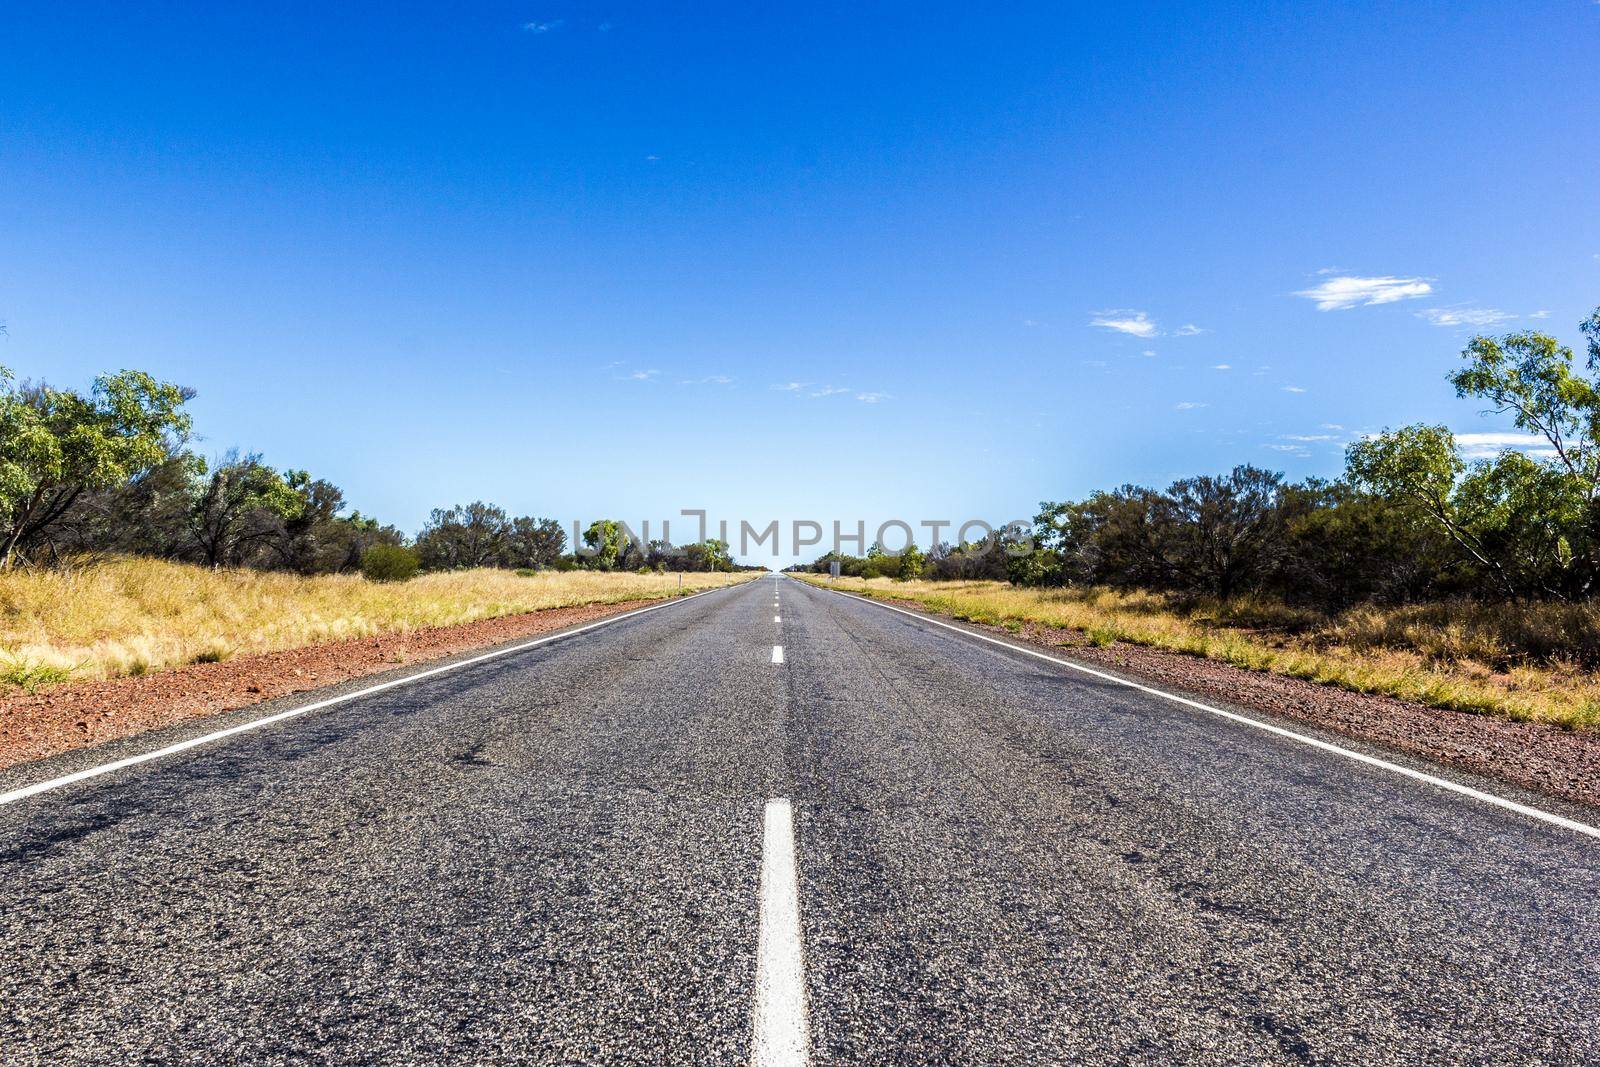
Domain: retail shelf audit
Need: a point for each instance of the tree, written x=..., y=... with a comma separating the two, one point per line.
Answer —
x=237, y=507
x=1417, y=467
x=1344, y=546
x=468, y=535
x=56, y=445
x=1530, y=377
x=534, y=542
x=606, y=542
x=911, y=561
x=1226, y=532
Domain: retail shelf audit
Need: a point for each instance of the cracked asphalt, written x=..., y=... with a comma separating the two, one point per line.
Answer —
x=554, y=857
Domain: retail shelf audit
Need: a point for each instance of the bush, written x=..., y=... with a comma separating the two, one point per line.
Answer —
x=389, y=563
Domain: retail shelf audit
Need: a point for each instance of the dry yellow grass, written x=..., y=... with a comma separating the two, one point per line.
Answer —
x=1463, y=657
x=130, y=616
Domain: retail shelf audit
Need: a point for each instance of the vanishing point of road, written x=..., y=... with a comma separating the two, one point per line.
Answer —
x=774, y=824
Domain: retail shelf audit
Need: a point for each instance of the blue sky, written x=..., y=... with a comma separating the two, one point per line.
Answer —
x=839, y=261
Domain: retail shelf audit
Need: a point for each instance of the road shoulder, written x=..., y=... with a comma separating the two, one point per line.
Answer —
x=1543, y=760
x=91, y=715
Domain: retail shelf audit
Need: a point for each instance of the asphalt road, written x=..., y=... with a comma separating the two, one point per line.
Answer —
x=556, y=856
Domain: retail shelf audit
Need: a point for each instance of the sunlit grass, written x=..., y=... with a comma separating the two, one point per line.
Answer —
x=1527, y=662
x=127, y=617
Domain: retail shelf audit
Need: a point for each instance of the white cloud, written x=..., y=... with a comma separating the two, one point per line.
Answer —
x=1188, y=405
x=1293, y=450
x=1348, y=291
x=872, y=398
x=1148, y=353
x=1223, y=366
x=1293, y=389
x=1546, y=314
x=1488, y=445
x=1307, y=438
x=1464, y=316
x=792, y=387
x=1188, y=329
x=1030, y=322
x=543, y=27
x=1137, y=323
x=1332, y=426
x=830, y=390
x=710, y=379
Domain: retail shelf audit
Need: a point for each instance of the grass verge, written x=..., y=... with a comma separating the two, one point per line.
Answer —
x=126, y=617
x=1525, y=663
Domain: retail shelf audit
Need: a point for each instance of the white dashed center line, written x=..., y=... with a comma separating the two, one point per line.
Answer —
x=782, y=1036
x=777, y=653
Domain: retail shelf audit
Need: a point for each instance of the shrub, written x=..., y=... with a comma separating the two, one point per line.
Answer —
x=389, y=563
x=32, y=676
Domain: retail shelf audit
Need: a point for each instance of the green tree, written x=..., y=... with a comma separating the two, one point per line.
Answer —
x=468, y=535
x=911, y=561
x=1531, y=377
x=237, y=507
x=55, y=445
x=606, y=542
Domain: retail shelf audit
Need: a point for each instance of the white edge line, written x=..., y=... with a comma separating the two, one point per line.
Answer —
x=782, y=1036
x=1326, y=746
x=267, y=720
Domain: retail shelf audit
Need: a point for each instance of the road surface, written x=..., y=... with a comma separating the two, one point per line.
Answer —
x=769, y=824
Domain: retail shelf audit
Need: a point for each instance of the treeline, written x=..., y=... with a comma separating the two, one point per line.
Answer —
x=1411, y=518
x=110, y=472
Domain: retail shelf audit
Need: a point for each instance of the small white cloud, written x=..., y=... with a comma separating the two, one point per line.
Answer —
x=1488, y=445
x=1293, y=450
x=643, y=375
x=1293, y=389
x=792, y=387
x=1030, y=322
x=872, y=398
x=1546, y=314
x=1464, y=316
x=1348, y=291
x=1094, y=362
x=652, y=159
x=1307, y=438
x=543, y=27
x=1188, y=329
x=1332, y=426
x=1223, y=366
x=830, y=390
x=1136, y=323
x=1188, y=405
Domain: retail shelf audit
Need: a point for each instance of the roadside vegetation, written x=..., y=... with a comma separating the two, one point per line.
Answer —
x=128, y=616
x=1422, y=572
x=123, y=550
x=1461, y=656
